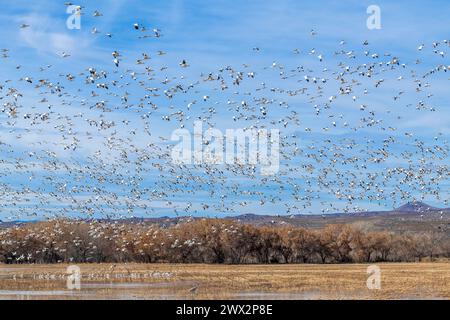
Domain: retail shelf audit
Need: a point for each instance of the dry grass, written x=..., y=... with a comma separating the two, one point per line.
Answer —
x=198, y=281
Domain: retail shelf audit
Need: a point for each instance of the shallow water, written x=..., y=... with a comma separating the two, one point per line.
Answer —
x=110, y=290
x=125, y=285
x=217, y=282
x=308, y=295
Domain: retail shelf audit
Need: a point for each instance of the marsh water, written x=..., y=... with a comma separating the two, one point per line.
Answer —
x=175, y=281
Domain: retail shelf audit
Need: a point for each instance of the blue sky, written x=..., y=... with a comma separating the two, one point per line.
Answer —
x=211, y=35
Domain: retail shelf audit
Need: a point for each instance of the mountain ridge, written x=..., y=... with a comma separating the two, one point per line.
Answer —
x=411, y=213
x=412, y=207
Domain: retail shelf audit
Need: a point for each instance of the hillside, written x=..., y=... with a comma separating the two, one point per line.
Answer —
x=410, y=217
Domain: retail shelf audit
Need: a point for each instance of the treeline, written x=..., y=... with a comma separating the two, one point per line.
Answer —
x=210, y=241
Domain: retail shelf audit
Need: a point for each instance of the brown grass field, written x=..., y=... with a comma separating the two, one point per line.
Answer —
x=199, y=281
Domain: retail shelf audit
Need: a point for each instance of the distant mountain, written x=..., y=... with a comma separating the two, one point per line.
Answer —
x=416, y=206
x=413, y=216
x=410, y=208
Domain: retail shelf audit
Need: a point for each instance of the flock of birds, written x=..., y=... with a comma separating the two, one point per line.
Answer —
x=95, y=141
